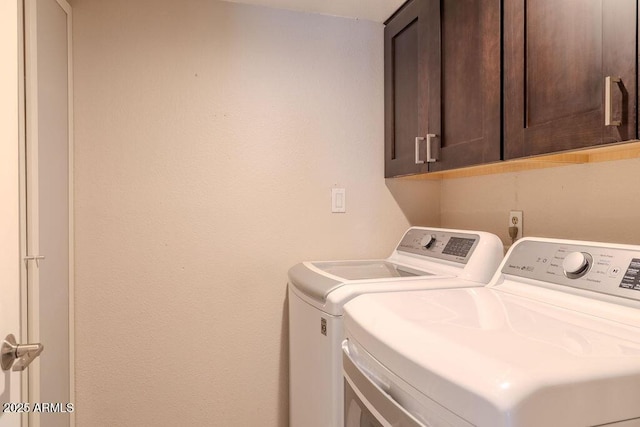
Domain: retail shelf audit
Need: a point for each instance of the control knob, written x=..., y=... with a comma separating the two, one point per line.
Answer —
x=576, y=264
x=428, y=241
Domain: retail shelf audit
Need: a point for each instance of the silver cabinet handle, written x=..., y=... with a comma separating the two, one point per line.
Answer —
x=418, y=139
x=430, y=157
x=21, y=354
x=608, y=107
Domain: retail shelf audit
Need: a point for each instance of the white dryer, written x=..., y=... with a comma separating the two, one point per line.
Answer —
x=553, y=340
x=425, y=258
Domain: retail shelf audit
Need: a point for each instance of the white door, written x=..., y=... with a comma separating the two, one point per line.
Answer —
x=10, y=387
x=48, y=207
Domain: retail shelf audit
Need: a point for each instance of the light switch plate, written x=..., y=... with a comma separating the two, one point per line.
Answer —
x=338, y=200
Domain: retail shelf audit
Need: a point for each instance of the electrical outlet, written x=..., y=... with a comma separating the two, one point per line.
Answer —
x=515, y=220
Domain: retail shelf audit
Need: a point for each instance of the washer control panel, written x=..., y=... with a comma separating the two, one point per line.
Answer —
x=607, y=270
x=450, y=246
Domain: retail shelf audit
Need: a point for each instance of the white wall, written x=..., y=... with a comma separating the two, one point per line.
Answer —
x=207, y=138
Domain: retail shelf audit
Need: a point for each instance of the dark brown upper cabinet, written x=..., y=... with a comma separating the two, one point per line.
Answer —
x=569, y=67
x=442, y=85
x=406, y=87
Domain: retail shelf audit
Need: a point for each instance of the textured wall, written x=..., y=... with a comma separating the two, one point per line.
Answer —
x=207, y=138
x=598, y=202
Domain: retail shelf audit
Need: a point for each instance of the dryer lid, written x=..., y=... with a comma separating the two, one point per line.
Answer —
x=502, y=360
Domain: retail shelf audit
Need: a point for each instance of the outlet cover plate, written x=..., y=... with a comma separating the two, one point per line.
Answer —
x=515, y=219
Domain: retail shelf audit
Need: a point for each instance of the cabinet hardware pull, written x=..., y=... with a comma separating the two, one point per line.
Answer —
x=418, y=139
x=608, y=107
x=430, y=157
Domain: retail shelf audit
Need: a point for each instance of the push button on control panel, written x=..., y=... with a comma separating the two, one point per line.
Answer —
x=631, y=278
x=458, y=247
x=614, y=271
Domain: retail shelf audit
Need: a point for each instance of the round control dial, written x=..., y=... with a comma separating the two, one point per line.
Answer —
x=428, y=241
x=576, y=264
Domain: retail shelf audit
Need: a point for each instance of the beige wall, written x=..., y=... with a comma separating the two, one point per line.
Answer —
x=207, y=138
x=598, y=202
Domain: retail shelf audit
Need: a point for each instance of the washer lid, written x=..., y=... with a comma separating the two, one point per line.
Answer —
x=496, y=359
x=318, y=279
x=360, y=270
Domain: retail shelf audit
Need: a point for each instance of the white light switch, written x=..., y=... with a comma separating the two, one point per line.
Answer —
x=338, y=200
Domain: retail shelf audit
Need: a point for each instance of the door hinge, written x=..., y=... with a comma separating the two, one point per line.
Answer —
x=35, y=258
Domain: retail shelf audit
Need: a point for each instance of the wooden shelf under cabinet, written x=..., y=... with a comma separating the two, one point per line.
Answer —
x=622, y=151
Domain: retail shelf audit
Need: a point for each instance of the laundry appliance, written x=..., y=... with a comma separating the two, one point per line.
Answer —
x=425, y=258
x=553, y=340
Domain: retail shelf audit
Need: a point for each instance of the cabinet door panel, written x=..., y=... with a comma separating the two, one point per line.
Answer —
x=461, y=71
x=467, y=119
x=405, y=85
x=557, y=54
x=564, y=57
x=619, y=59
x=403, y=109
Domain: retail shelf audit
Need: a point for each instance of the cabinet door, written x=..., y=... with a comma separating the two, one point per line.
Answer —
x=407, y=84
x=465, y=109
x=557, y=55
x=442, y=77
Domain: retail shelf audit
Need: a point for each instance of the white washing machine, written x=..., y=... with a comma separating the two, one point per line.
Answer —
x=553, y=340
x=425, y=258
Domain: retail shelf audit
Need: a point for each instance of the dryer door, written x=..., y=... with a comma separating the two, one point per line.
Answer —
x=366, y=404
x=356, y=413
